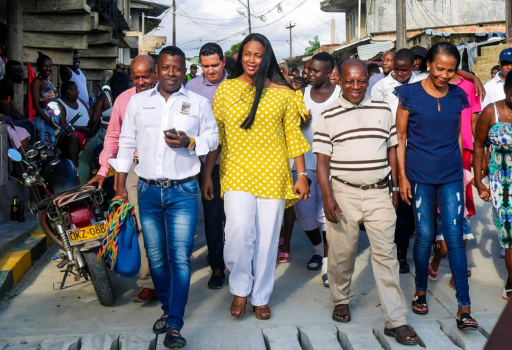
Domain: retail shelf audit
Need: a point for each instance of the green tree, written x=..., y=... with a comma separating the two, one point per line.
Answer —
x=233, y=48
x=313, y=46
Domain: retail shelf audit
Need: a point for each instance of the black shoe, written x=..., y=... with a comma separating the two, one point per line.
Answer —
x=173, y=339
x=217, y=279
x=160, y=325
x=404, y=266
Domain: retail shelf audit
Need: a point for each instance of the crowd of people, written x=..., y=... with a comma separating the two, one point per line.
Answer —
x=393, y=150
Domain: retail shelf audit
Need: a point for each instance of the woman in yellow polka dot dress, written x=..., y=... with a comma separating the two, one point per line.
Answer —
x=258, y=114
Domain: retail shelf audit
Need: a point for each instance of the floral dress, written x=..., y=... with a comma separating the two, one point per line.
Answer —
x=256, y=160
x=500, y=178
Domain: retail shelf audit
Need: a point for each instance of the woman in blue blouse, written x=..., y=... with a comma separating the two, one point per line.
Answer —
x=430, y=169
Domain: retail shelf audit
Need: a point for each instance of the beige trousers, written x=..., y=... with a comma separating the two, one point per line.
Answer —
x=144, y=276
x=373, y=208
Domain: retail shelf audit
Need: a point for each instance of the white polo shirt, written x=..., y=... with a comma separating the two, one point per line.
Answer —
x=494, y=90
x=384, y=91
x=147, y=116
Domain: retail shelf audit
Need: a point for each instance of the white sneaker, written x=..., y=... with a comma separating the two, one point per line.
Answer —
x=502, y=253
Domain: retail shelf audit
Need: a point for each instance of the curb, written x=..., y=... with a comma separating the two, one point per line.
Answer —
x=18, y=260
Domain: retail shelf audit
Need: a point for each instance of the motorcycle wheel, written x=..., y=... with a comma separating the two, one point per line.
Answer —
x=100, y=281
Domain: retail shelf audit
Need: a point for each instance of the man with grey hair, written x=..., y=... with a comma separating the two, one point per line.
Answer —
x=144, y=78
x=355, y=139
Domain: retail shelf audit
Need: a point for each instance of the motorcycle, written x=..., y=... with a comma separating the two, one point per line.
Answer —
x=73, y=216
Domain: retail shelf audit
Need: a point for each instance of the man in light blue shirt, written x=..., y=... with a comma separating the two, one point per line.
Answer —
x=212, y=63
x=387, y=67
x=170, y=127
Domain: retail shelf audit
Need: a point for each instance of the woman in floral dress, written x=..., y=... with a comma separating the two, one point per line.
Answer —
x=495, y=123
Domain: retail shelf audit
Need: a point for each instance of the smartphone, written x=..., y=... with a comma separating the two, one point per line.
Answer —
x=172, y=131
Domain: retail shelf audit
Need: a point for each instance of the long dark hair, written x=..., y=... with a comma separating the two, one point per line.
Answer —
x=268, y=69
x=442, y=47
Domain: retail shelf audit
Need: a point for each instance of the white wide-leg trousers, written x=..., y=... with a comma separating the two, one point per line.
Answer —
x=251, y=242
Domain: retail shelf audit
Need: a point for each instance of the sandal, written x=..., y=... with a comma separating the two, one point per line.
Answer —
x=258, y=312
x=420, y=300
x=238, y=309
x=464, y=325
x=315, y=259
x=283, y=257
x=403, y=334
x=341, y=313
x=505, y=293
x=432, y=275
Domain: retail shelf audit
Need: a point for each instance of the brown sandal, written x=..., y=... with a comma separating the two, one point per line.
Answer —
x=261, y=309
x=341, y=313
x=238, y=305
x=403, y=334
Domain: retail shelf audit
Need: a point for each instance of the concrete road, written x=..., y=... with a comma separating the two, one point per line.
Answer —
x=40, y=317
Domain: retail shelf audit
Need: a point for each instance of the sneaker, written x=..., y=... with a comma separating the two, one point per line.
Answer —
x=217, y=279
x=160, y=325
x=502, y=253
x=145, y=294
x=404, y=266
x=173, y=339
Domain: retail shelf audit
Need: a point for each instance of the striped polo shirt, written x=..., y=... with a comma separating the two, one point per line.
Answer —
x=357, y=138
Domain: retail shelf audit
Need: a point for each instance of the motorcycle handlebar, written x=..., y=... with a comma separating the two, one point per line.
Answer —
x=75, y=118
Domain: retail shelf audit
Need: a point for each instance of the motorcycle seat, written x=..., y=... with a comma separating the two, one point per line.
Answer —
x=73, y=194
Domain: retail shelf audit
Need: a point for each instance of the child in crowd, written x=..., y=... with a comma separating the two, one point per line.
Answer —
x=440, y=246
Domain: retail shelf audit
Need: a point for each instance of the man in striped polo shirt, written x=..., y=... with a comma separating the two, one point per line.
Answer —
x=355, y=141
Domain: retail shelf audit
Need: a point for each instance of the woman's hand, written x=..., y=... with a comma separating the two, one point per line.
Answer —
x=302, y=187
x=483, y=192
x=405, y=189
x=395, y=200
x=207, y=188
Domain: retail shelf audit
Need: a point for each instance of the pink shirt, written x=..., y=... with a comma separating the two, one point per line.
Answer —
x=468, y=176
x=111, y=142
x=474, y=102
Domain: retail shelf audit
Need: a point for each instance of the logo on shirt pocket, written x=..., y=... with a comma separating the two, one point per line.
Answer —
x=185, y=108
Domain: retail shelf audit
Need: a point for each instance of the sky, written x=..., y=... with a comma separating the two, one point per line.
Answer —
x=202, y=21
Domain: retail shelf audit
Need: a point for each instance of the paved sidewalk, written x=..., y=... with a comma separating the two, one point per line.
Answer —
x=301, y=310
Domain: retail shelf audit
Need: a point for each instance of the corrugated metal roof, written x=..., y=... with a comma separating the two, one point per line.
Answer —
x=366, y=52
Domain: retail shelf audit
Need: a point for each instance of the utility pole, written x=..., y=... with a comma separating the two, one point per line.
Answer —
x=174, y=22
x=333, y=32
x=509, y=20
x=290, y=26
x=401, y=29
x=249, y=15
x=359, y=20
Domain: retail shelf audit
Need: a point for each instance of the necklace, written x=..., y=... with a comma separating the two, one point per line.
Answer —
x=506, y=110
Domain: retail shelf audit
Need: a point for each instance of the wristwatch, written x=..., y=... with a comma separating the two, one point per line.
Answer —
x=395, y=189
x=302, y=174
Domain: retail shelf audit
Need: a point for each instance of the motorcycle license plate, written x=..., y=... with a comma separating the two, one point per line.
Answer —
x=88, y=233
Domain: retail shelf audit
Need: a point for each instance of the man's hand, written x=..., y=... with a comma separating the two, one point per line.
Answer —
x=121, y=191
x=178, y=140
x=307, y=118
x=395, y=200
x=405, y=189
x=207, y=188
x=99, y=179
x=302, y=187
x=479, y=88
x=332, y=208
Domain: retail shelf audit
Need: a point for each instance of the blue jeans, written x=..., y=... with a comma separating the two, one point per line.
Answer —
x=46, y=131
x=28, y=125
x=450, y=198
x=168, y=217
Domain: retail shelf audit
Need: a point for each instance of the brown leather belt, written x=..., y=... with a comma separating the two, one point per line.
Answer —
x=379, y=185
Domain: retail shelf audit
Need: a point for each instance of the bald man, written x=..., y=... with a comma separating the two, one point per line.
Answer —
x=353, y=170
x=144, y=78
x=387, y=67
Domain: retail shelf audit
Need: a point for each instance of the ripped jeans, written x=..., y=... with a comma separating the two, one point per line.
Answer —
x=450, y=198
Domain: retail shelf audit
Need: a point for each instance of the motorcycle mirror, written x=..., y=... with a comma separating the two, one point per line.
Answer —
x=52, y=109
x=14, y=155
x=39, y=145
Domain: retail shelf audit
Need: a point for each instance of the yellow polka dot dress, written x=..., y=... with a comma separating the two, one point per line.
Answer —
x=256, y=160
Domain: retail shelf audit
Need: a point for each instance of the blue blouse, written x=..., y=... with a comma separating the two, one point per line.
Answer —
x=432, y=154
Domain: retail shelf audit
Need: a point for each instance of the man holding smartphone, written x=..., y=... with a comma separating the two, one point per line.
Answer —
x=167, y=188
